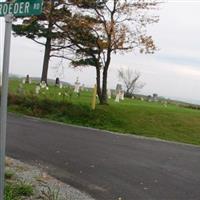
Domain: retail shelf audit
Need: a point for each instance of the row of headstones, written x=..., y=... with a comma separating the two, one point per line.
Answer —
x=119, y=93
x=153, y=98
x=77, y=85
x=149, y=98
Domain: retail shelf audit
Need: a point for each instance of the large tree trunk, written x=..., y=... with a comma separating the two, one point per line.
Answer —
x=46, y=60
x=104, y=87
x=48, y=46
x=104, y=99
x=98, y=82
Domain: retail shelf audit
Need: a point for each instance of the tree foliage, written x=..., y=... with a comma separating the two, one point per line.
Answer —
x=42, y=29
x=107, y=27
x=89, y=32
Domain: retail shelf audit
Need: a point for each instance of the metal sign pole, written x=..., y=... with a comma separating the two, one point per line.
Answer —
x=4, y=99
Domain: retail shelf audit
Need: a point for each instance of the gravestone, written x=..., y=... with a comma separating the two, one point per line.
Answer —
x=57, y=82
x=122, y=95
x=37, y=89
x=43, y=84
x=77, y=86
x=155, y=97
x=149, y=98
x=109, y=94
x=27, y=80
x=117, y=98
x=118, y=88
x=23, y=81
x=118, y=92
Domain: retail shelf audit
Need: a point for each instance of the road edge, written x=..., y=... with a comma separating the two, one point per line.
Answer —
x=104, y=131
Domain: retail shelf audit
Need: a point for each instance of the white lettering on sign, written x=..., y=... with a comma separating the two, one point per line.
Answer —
x=21, y=7
x=36, y=6
x=1, y=5
x=14, y=8
x=5, y=9
x=10, y=8
x=27, y=5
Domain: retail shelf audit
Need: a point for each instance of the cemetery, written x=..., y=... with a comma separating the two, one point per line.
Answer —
x=145, y=116
x=90, y=34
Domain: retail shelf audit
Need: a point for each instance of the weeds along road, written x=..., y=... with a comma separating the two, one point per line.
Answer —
x=107, y=166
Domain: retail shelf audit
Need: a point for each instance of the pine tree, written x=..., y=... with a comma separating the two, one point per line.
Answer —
x=42, y=30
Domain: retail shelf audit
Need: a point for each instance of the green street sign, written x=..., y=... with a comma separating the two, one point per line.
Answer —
x=21, y=8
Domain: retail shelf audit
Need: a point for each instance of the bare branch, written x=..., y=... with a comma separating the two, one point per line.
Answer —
x=37, y=41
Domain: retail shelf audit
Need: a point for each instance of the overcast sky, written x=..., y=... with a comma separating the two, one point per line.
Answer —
x=173, y=71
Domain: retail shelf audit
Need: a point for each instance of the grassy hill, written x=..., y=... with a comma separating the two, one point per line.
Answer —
x=151, y=119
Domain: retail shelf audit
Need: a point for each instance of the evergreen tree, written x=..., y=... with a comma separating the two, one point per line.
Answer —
x=42, y=30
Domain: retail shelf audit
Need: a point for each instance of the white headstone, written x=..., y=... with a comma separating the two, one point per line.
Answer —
x=117, y=97
x=155, y=97
x=76, y=86
x=43, y=84
x=118, y=88
x=23, y=81
x=109, y=93
x=37, y=89
x=122, y=95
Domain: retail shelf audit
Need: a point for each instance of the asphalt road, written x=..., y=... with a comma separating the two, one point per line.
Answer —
x=107, y=166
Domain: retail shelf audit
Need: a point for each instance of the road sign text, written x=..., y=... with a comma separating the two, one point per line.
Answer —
x=21, y=8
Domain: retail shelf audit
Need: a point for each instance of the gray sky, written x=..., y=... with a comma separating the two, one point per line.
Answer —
x=173, y=71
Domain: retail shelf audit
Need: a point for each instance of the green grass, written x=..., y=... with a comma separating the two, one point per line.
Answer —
x=9, y=174
x=172, y=123
x=16, y=190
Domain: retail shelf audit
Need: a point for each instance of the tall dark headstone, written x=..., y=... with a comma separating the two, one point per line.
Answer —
x=57, y=82
x=27, y=79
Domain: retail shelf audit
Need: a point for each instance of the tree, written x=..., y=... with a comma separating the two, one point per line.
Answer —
x=114, y=26
x=42, y=30
x=130, y=79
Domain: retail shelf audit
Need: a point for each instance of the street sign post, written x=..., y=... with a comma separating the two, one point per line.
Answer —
x=4, y=94
x=18, y=8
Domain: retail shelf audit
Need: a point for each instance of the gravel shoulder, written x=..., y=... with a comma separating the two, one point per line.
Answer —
x=43, y=184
